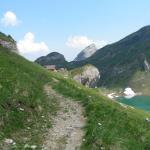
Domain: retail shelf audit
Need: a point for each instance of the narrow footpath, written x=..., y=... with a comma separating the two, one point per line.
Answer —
x=67, y=130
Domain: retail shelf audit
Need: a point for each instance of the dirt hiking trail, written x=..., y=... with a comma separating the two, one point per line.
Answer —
x=67, y=130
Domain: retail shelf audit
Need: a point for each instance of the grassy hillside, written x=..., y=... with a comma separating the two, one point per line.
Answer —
x=23, y=103
x=22, y=100
x=109, y=125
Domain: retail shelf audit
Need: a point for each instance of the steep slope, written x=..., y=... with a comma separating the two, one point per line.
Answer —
x=8, y=42
x=26, y=110
x=118, y=62
x=53, y=58
x=26, y=107
x=86, y=53
x=23, y=102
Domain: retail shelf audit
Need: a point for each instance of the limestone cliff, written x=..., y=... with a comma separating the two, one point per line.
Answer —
x=8, y=42
x=87, y=75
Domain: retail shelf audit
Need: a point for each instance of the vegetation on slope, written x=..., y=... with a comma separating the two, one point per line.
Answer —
x=23, y=103
x=24, y=107
x=140, y=81
x=109, y=125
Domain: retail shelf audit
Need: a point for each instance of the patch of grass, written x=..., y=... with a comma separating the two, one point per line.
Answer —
x=23, y=100
x=120, y=128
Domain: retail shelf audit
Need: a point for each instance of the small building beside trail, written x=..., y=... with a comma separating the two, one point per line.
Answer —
x=63, y=70
x=51, y=67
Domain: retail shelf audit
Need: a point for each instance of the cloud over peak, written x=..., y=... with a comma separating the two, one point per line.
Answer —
x=80, y=42
x=10, y=19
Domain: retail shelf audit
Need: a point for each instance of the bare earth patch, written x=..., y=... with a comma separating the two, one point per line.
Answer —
x=67, y=131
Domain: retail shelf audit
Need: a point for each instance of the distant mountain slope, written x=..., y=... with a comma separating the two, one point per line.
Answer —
x=53, y=58
x=86, y=53
x=118, y=62
x=59, y=60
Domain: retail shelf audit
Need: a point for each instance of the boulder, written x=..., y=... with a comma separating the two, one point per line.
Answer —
x=87, y=75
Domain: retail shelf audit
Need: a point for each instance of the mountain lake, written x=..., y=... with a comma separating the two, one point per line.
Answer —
x=142, y=102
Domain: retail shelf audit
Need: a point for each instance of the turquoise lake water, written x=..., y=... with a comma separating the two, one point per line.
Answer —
x=142, y=102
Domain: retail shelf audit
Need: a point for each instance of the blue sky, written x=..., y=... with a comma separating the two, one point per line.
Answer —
x=67, y=26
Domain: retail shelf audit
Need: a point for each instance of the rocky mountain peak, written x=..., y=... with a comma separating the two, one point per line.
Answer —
x=87, y=52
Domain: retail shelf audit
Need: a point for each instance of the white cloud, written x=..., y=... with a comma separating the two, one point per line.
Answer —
x=10, y=19
x=80, y=42
x=29, y=47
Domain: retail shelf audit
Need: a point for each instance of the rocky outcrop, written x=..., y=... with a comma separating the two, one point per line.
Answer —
x=53, y=58
x=87, y=52
x=87, y=75
x=9, y=45
x=8, y=42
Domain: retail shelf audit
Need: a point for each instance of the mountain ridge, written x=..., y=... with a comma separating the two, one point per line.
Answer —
x=119, y=61
x=53, y=58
